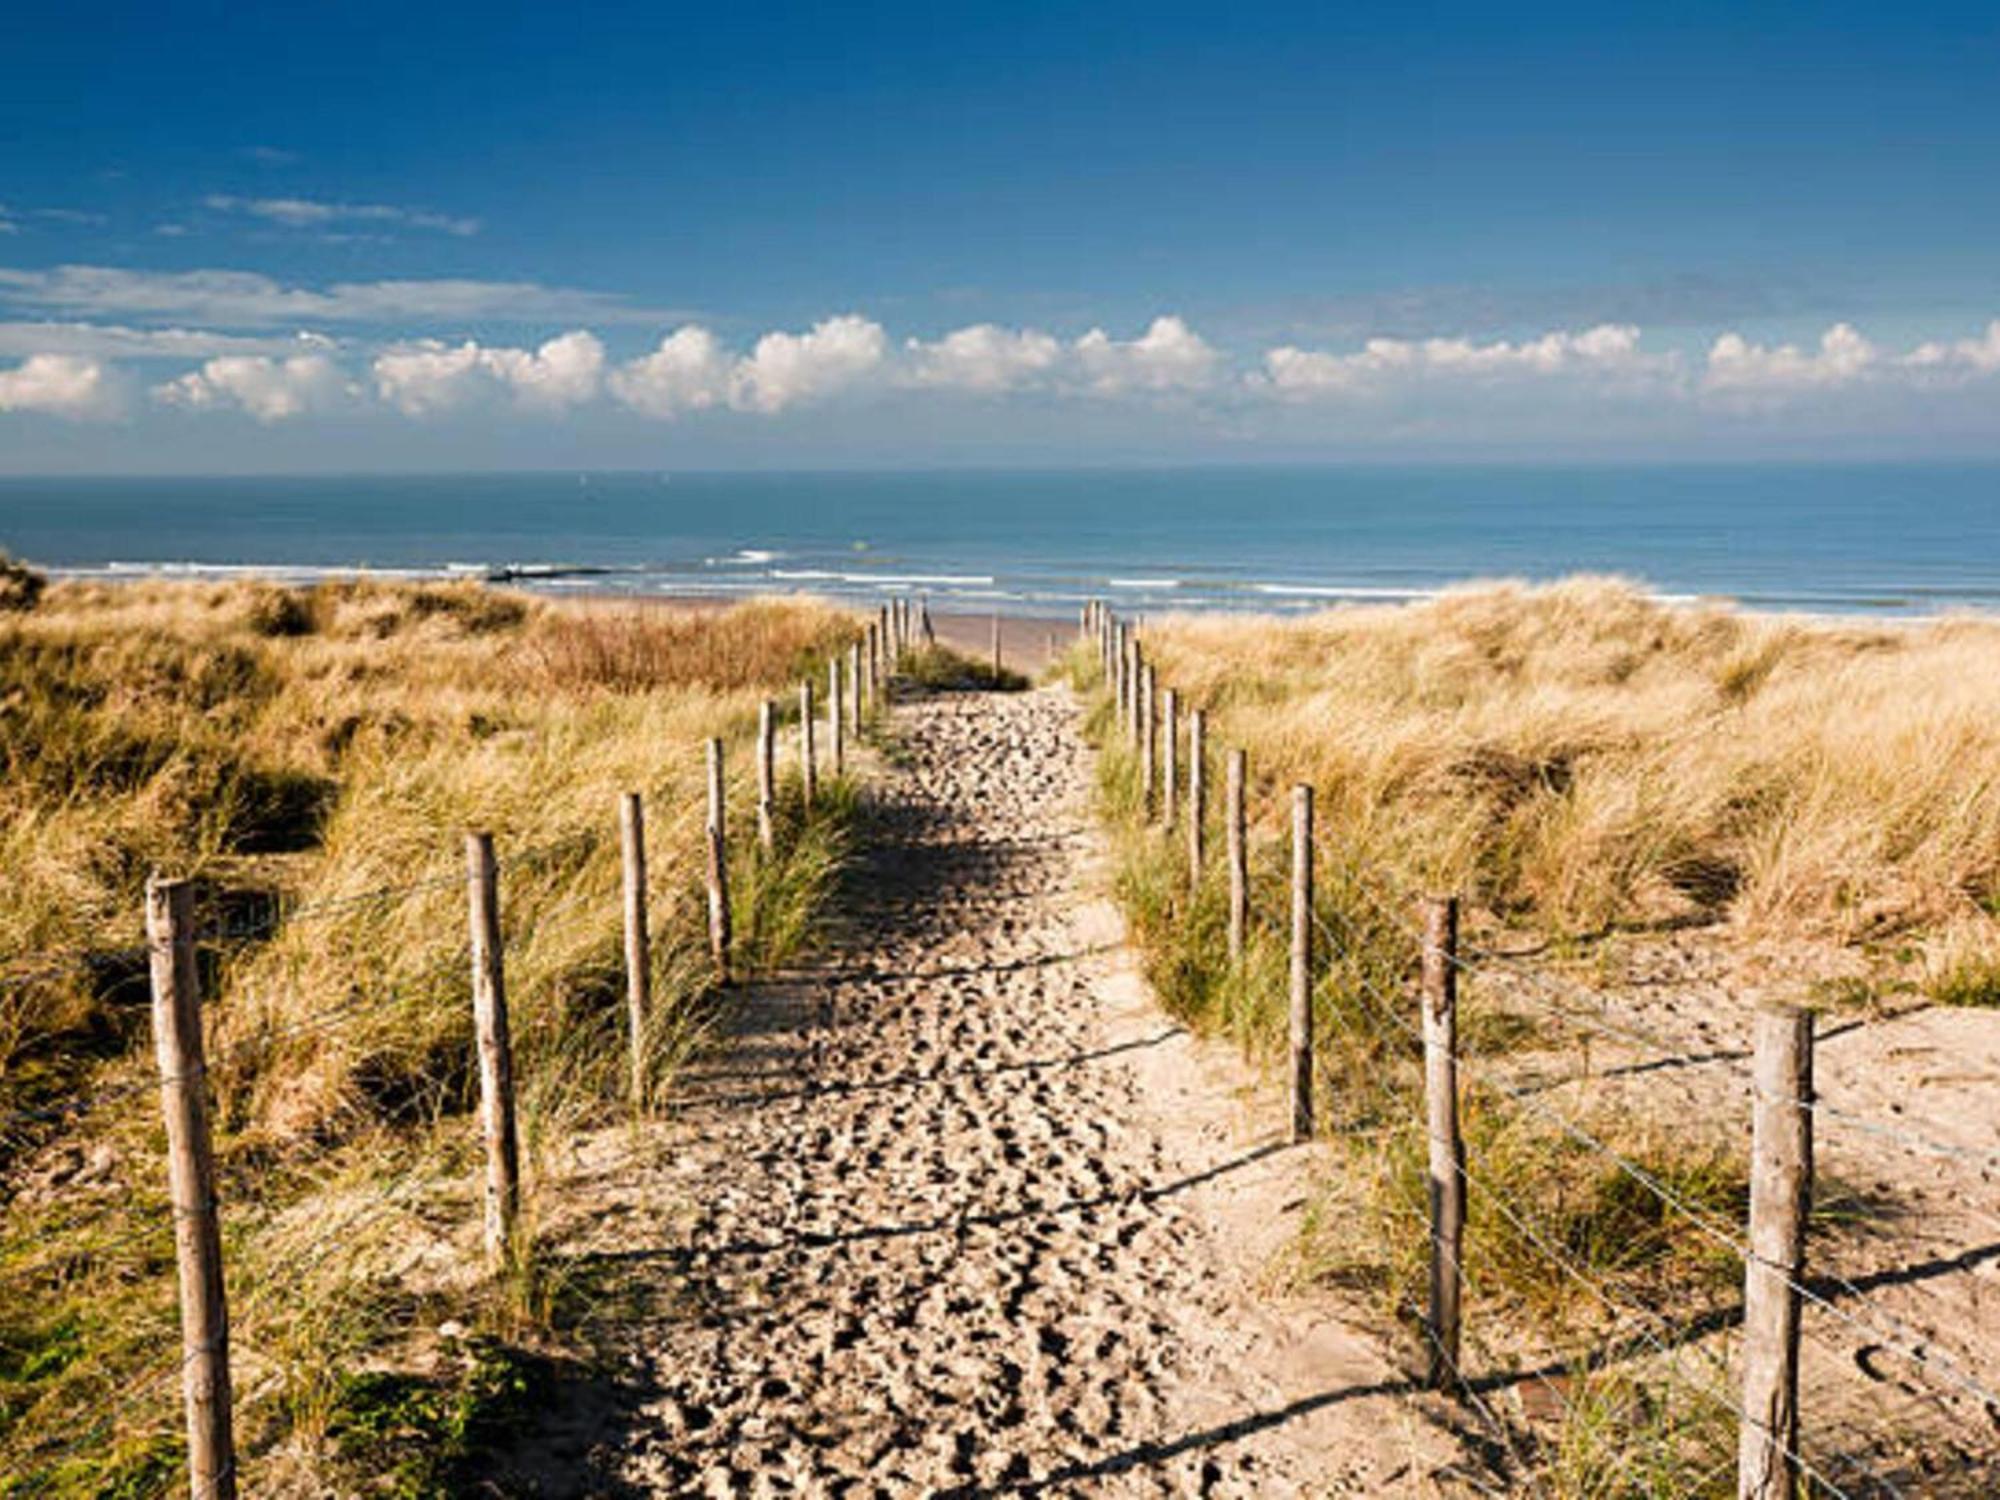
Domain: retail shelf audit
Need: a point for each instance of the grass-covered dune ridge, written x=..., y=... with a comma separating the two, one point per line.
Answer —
x=1580, y=754
x=312, y=759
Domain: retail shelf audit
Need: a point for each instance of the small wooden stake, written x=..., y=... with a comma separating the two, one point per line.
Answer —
x=808, y=772
x=836, y=720
x=718, y=866
x=1148, y=772
x=1170, y=771
x=1197, y=793
x=638, y=946
x=496, y=1050
x=1302, y=952
x=1781, y=1172
x=767, y=775
x=206, y=1395
x=996, y=650
x=1236, y=850
x=1447, y=1150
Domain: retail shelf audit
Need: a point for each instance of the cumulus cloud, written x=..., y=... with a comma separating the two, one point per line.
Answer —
x=984, y=358
x=311, y=213
x=1958, y=359
x=426, y=378
x=1168, y=356
x=1608, y=350
x=784, y=369
x=688, y=372
x=1737, y=365
x=270, y=390
x=236, y=299
x=61, y=385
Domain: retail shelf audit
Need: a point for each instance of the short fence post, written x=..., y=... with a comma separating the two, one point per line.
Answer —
x=996, y=649
x=1781, y=1171
x=1136, y=680
x=1447, y=1150
x=1236, y=850
x=1170, y=770
x=638, y=948
x=1124, y=675
x=1197, y=793
x=496, y=1050
x=767, y=774
x=1302, y=954
x=718, y=867
x=177, y=1044
x=836, y=720
x=854, y=691
x=870, y=668
x=808, y=772
x=1148, y=772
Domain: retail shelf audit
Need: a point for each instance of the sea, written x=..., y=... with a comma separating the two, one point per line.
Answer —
x=1874, y=539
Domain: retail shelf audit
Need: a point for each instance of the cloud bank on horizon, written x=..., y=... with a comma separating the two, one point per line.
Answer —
x=206, y=342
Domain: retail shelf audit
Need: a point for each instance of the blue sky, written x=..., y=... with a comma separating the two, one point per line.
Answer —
x=435, y=236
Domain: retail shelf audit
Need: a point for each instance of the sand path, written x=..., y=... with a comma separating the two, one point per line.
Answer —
x=962, y=1213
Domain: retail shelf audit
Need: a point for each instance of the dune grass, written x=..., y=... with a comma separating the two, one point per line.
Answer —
x=311, y=758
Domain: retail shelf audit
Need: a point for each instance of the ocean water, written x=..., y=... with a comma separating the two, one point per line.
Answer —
x=1851, y=539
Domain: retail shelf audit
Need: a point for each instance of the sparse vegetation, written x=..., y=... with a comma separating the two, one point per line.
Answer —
x=941, y=669
x=311, y=758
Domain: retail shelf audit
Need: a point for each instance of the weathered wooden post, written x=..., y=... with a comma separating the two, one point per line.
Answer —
x=871, y=676
x=767, y=775
x=496, y=1050
x=854, y=691
x=1147, y=769
x=1236, y=848
x=1302, y=954
x=206, y=1395
x=885, y=641
x=638, y=941
x=836, y=720
x=1136, y=676
x=718, y=866
x=1781, y=1171
x=1197, y=793
x=1447, y=1149
x=1170, y=771
x=1124, y=677
x=808, y=772
x=996, y=649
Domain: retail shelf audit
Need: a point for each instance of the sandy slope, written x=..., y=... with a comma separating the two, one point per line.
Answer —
x=961, y=1213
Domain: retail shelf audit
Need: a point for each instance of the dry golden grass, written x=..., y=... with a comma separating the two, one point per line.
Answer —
x=312, y=758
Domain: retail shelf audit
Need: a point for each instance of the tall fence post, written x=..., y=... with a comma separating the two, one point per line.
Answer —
x=1236, y=849
x=496, y=1049
x=808, y=772
x=1302, y=956
x=177, y=1044
x=996, y=647
x=871, y=668
x=836, y=749
x=1170, y=770
x=1148, y=766
x=1136, y=675
x=1197, y=807
x=638, y=947
x=718, y=866
x=1124, y=676
x=767, y=775
x=854, y=691
x=1781, y=1171
x=1447, y=1149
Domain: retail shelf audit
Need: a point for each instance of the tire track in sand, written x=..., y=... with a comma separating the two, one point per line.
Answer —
x=965, y=1215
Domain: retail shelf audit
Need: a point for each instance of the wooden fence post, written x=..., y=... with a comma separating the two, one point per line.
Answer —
x=854, y=692
x=1302, y=954
x=870, y=668
x=1236, y=849
x=1124, y=676
x=1447, y=1150
x=767, y=774
x=718, y=866
x=1170, y=770
x=996, y=648
x=1148, y=770
x=808, y=772
x=177, y=1045
x=638, y=947
x=1197, y=793
x=496, y=1050
x=1781, y=1171
x=1136, y=675
x=836, y=722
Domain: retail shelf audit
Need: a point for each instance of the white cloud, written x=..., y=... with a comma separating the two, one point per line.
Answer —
x=1737, y=365
x=427, y=378
x=1607, y=350
x=688, y=372
x=787, y=368
x=984, y=358
x=1960, y=358
x=1168, y=356
x=61, y=385
x=311, y=213
x=117, y=341
x=247, y=298
x=271, y=390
